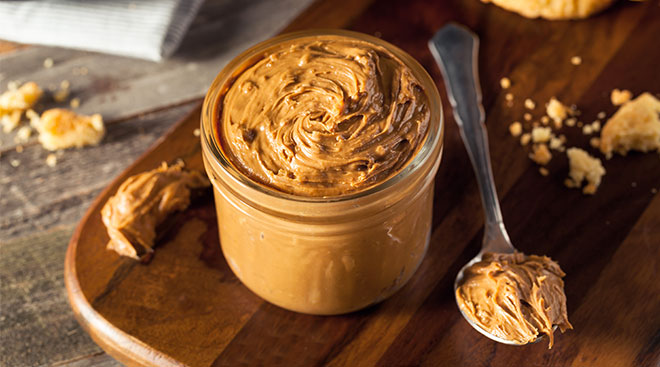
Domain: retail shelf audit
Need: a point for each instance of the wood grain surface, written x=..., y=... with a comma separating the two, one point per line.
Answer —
x=187, y=308
x=40, y=206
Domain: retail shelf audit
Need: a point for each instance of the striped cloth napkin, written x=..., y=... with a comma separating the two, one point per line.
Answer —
x=146, y=29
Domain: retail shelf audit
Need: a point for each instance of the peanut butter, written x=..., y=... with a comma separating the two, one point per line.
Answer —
x=323, y=117
x=144, y=201
x=514, y=296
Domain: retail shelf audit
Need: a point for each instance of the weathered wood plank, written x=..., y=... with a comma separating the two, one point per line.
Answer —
x=120, y=87
x=36, y=196
x=99, y=359
x=36, y=323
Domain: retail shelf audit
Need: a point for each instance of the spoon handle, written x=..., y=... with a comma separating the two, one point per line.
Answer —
x=455, y=50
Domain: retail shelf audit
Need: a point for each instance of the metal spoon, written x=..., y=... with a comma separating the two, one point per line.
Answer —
x=455, y=49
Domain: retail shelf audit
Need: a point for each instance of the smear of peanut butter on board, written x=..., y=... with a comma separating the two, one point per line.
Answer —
x=144, y=201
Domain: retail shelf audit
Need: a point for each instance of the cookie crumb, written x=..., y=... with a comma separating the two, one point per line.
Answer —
x=556, y=110
x=635, y=126
x=75, y=102
x=541, y=154
x=15, y=163
x=556, y=143
x=543, y=171
x=525, y=138
x=19, y=149
x=60, y=129
x=23, y=134
x=601, y=115
x=594, y=142
x=51, y=160
x=619, y=97
x=584, y=167
x=15, y=101
x=529, y=104
x=505, y=83
x=576, y=60
x=545, y=120
x=527, y=117
x=587, y=130
x=570, y=122
x=541, y=134
x=197, y=132
x=48, y=63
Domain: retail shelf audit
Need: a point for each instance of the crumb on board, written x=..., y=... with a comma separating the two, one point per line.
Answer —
x=587, y=130
x=197, y=132
x=23, y=134
x=505, y=83
x=601, y=115
x=594, y=142
x=15, y=101
x=15, y=163
x=530, y=104
x=570, y=122
x=556, y=143
x=543, y=171
x=541, y=134
x=545, y=120
x=584, y=168
x=525, y=139
x=619, y=97
x=576, y=60
x=515, y=129
x=540, y=154
x=51, y=160
x=557, y=124
x=60, y=129
x=48, y=63
x=635, y=126
x=527, y=117
x=75, y=102
x=556, y=110
x=508, y=97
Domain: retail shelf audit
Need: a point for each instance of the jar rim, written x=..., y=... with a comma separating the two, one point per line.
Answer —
x=233, y=68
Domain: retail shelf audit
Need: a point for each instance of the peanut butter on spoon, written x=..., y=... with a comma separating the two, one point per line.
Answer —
x=514, y=296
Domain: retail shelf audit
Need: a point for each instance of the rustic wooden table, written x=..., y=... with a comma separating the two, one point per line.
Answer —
x=41, y=205
x=607, y=244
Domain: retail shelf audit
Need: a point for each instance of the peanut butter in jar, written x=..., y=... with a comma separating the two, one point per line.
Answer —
x=322, y=147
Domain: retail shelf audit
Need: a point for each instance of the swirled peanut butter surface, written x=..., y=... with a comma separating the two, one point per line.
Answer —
x=323, y=116
x=514, y=296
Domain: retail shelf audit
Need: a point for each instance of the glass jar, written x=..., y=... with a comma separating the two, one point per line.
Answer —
x=323, y=255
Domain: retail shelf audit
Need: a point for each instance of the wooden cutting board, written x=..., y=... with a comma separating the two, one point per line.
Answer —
x=186, y=308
